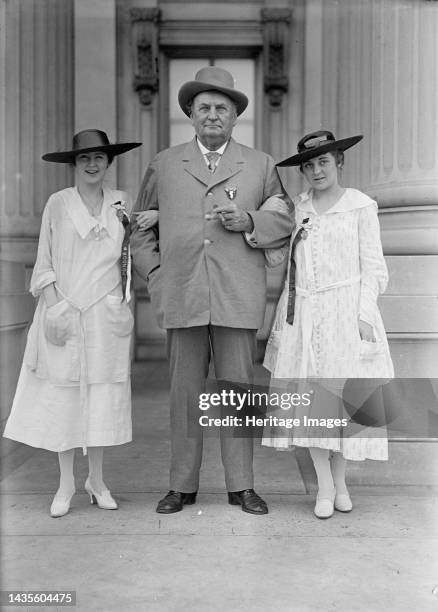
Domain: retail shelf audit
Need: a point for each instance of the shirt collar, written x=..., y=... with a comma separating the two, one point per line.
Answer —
x=350, y=200
x=204, y=150
x=85, y=223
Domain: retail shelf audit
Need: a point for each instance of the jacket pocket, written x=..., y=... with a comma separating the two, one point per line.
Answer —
x=120, y=319
x=57, y=323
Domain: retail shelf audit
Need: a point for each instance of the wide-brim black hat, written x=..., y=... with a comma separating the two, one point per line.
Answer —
x=317, y=143
x=88, y=141
x=212, y=78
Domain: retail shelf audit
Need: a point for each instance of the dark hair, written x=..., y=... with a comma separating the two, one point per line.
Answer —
x=337, y=154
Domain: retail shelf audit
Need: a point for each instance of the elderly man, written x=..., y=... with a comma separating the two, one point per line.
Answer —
x=206, y=283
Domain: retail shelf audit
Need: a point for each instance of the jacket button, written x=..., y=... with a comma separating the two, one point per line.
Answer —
x=209, y=193
x=207, y=242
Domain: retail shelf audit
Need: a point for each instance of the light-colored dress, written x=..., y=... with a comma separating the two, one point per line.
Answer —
x=340, y=271
x=77, y=394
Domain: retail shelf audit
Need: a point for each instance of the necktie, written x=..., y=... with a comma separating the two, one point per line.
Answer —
x=213, y=158
x=292, y=271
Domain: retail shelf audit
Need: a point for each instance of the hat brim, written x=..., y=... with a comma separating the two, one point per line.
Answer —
x=192, y=88
x=334, y=145
x=66, y=157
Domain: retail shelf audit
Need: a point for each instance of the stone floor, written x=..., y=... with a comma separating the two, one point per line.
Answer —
x=212, y=556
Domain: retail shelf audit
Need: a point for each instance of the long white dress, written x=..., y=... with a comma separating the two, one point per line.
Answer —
x=77, y=394
x=340, y=271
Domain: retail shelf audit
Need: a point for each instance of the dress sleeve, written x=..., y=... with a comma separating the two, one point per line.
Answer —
x=373, y=270
x=43, y=273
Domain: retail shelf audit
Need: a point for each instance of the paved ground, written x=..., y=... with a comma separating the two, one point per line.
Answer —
x=212, y=556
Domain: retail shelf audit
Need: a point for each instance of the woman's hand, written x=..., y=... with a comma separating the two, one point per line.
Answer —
x=366, y=331
x=147, y=219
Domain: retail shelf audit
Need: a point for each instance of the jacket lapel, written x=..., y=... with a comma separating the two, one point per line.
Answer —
x=194, y=163
x=230, y=164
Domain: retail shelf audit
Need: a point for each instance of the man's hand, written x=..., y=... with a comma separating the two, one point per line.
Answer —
x=234, y=219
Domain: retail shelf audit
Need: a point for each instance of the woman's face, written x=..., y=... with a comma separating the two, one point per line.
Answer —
x=321, y=172
x=91, y=167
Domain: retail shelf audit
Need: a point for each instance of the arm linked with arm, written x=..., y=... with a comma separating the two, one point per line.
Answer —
x=273, y=224
x=144, y=244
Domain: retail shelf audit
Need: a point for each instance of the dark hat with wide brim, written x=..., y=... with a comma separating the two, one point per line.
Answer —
x=318, y=143
x=88, y=141
x=212, y=78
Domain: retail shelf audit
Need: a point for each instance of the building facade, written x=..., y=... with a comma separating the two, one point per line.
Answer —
x=351, y=66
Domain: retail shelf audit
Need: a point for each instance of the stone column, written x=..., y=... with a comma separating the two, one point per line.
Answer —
x=96, y=70
x=36, y=116
x=372, y=69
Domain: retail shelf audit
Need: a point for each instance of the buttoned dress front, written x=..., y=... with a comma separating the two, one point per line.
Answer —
x=340, y=271
x=77, y=394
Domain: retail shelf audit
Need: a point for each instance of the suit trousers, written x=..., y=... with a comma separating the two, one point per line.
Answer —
x=189, y=351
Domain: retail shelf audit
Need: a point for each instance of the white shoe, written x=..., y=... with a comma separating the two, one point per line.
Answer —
x=343, y=502
x=324, y=506
x=60, y=505
x=103, y=500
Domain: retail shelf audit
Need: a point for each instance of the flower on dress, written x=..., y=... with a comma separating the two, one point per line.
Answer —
x=306, y=226
x=121, y=212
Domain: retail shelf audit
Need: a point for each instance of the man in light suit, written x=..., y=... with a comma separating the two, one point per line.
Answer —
x=206, y=280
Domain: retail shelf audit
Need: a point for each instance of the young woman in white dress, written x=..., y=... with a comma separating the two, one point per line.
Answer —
x=335, y=330
x=74, y=386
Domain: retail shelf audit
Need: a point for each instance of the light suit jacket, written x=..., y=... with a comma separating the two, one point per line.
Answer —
x=198, y=272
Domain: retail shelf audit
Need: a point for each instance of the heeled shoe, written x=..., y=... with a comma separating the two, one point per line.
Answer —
x=343, y=502
x=60, y=505
x=324, y=506
x=104, y=500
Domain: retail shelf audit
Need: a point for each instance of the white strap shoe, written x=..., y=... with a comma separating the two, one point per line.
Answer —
x=60, y=505
x=324, y=505
x=343, y=502
x=104, y=499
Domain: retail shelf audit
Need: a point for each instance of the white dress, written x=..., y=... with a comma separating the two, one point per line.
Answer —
x=340, y=270
x=76, y=394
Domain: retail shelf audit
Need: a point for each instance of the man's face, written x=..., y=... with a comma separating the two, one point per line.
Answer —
x=213, y=117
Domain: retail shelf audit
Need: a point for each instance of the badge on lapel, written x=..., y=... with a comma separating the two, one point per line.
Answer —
x=231, y=192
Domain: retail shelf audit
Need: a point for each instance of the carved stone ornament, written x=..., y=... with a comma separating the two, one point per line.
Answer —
x=145, y=47
x=276, y=53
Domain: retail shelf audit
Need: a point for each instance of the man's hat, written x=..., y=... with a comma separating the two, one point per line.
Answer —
x=212, y=78
x=88, y=141
x=317, y=143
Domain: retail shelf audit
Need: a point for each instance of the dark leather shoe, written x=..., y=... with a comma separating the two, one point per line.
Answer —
x=174, y=502
x=249, y=500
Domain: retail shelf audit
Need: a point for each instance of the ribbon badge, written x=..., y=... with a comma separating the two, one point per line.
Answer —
x=231, y=192
x=306, y=226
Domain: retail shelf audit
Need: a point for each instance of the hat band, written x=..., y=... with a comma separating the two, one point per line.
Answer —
x=317, y=141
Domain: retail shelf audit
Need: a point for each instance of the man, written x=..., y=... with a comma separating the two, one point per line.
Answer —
x=206, y=283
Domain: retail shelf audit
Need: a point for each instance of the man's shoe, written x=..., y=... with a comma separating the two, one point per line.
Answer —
x=249, y=500
x=174, y=502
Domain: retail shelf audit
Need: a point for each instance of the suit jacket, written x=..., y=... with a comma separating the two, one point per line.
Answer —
x=198, y=272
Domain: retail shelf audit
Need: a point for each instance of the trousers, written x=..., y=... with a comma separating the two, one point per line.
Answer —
x=190, y=351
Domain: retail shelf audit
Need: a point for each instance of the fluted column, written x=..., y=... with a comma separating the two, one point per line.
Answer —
x=36, y=116
x=372, y=68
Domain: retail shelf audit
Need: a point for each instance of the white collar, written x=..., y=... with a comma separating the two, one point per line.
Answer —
x=85, y=223
x=350, y=200
x=204, y=150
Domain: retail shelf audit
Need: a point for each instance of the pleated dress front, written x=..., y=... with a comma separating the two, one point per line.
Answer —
x=77, y=394
x=340, y=271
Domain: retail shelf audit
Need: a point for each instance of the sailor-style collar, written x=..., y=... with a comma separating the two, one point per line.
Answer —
x=84, y=222
x=352, y=199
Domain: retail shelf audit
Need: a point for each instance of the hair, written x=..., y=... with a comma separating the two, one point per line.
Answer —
x=337, y=154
